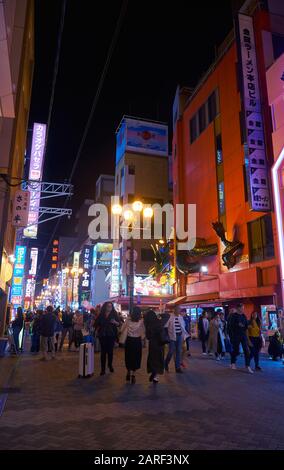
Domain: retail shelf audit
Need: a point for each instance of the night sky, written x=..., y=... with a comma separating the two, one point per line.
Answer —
x=160, y=45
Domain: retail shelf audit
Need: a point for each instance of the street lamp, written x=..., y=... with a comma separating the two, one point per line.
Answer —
x=129, y=216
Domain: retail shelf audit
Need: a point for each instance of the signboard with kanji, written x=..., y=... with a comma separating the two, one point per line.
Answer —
x=259, y=194
x=21, y=208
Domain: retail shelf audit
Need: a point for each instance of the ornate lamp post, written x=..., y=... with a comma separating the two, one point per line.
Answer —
x=130, y=216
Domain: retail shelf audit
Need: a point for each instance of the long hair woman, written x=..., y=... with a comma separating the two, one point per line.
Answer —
x=134, y=331
x=154, y=333
x=106, y=327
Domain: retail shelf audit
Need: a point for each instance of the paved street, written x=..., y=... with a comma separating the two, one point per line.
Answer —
x=208, y=407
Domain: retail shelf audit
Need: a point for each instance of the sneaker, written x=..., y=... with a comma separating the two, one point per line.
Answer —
x=204, y=354
x=249, y=369
x=155, y=380
x=233, y=366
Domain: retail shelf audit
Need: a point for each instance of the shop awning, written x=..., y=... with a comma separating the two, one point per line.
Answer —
x=176, y=301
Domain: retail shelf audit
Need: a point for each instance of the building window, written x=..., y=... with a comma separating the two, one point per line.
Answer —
x=193, y=129
x=278, y=45
x=202, y=118
x=131, y=170
x=212, y=106
x=147, y=254
x=261, y=244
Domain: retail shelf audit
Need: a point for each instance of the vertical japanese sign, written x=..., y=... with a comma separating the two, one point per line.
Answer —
x=257, y=163
x=33, y=259
x=54, y=255
x=85, y=280
x=76, y=261
x=35, y=173
x=115, y=274
x=21, y=208
x=18, y=275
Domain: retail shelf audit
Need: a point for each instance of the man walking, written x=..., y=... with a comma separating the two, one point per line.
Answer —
x=238, y=332
x=47, y=324
x=177, y=334
x=203, y=331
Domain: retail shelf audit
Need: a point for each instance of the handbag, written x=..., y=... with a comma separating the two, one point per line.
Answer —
x=123, y=334
x=164, y=336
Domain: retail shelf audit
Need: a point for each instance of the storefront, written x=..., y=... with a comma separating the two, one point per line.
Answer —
x=275, y=87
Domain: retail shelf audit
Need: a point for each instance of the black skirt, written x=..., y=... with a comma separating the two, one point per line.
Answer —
x=133, y=353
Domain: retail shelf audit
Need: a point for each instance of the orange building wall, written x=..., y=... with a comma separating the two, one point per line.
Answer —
x=194, y=171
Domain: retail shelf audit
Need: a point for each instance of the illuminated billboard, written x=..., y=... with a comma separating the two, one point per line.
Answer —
x=255, y=148
x=115, y=274
x=18, y=275
x=35, y=173
x=102, y=255
x=33, y=258
x=141, y=137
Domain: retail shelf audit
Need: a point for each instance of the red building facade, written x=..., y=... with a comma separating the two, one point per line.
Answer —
x=213, y=167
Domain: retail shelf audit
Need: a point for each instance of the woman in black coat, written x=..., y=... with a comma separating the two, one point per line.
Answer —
x=154, y=333
x=106, y=326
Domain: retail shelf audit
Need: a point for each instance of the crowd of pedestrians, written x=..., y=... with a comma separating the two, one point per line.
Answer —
x=167, y=335
x=236, y=335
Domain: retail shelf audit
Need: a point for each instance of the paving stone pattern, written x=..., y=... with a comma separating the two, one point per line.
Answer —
x=208, y=407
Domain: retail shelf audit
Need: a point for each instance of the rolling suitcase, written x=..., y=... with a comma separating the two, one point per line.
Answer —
x=86, y=360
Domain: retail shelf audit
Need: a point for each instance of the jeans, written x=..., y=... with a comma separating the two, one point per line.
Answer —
x=236, y=341
x=16, y=333
x=204, y=344
x=35, y=342
x=107, y=345
x=44, y=340
x=78, y=338
x=255, y=350
x=175, y=347
x=68, y=330
x=187, y=343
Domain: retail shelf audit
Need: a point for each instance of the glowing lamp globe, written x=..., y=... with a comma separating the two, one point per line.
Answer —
x=116, y=209
x=137, y=206
x=148, y=212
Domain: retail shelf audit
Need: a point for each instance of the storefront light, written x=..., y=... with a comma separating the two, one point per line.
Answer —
x=204, y=269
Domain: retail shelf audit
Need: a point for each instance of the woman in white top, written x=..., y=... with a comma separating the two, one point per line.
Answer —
x=132, y=334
